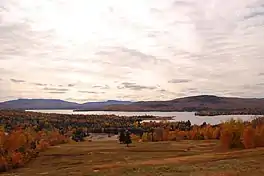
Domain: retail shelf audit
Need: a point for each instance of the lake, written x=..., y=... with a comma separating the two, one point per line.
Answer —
x=177, y=116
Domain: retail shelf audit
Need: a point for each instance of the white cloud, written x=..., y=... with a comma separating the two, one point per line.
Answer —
x=214, y=46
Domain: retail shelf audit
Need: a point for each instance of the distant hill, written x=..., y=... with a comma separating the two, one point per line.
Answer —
x=38, y=104
x=194, y=103
x=27, y=104
x=92, y=106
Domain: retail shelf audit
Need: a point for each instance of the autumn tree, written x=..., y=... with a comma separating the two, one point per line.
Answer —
x=231, y=132
x=249, y=137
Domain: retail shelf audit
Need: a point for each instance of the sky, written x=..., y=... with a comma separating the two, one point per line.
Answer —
x=131, y=50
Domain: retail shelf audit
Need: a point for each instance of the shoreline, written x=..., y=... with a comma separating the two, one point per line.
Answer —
x=196, y=113
x=146, y=116
x=107, y=110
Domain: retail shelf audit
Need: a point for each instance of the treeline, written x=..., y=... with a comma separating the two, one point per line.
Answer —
x=66, y=122
x=21, y=145
x=230, y=112
x=232, y=133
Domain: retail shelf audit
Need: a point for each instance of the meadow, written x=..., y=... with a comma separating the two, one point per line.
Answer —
x=182, y=158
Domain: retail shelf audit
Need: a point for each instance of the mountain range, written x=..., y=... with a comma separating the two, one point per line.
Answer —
x=30, y=104
x=193, y=103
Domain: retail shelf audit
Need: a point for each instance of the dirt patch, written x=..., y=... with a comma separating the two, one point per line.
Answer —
x=101, y=137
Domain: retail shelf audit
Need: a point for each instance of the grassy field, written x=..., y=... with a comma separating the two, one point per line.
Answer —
x=184, y=158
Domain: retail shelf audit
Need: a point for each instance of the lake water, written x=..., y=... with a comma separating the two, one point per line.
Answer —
x=177, y=116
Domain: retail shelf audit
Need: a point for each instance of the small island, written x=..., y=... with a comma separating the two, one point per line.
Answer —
x=218, y=113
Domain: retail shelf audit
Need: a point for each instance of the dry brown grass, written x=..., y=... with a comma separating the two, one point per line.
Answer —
x=161, y=158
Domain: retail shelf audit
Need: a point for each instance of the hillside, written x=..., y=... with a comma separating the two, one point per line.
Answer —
x=194, y=103
x=107, y=157
x=26, y=104
x=92, y=106
x=38, y=104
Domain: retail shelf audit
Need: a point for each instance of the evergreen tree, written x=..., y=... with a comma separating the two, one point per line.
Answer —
x=122, y=137
x=189, y=124
x=128, y=138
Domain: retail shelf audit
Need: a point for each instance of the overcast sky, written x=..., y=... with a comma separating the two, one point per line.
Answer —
x=131, y=49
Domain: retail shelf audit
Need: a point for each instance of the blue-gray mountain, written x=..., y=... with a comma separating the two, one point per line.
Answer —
x=27, y=104
x=194, y=103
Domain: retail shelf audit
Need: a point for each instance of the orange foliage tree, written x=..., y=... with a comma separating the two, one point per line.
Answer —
x=20, y=145
x=231, y=134
x=249, y=137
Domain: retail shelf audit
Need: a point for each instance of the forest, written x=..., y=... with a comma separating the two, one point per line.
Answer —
x=24, y=134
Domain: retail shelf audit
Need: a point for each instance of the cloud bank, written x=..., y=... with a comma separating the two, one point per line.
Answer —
x=131, y=50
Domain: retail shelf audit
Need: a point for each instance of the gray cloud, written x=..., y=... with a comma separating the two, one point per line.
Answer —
x=17, y=80
x=90, y=92
x=175, y=81
x=134, y=86
x=163, y=92
x=71, y=85
x=101, y=87
x=56, y=89
x=40, y=84
x=46, y=84
x=57, y=92
x=215, y=46
x=255, y=11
